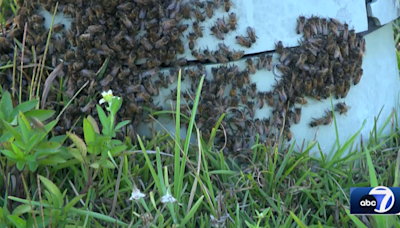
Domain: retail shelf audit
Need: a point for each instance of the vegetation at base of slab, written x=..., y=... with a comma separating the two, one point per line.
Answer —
x=98, y=181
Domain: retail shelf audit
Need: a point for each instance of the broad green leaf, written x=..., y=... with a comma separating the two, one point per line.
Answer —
x=115, y=151
x=33, y=166
x=54, y=191
x=89, y=134
x=50, y=125
x=46, y=148
x=41, y=115
x=20, y=165
x=6, y=104
x=116, y=104
x=10, y=154
x=24, y=107
x=17, y=221
x=95, y=165
x=106, y=164
x=79, y=143
x=52, y=160
x=21, y=209
x=25, y=130
x=17, y=151
x=103, y=119
x=12, y=130
x=6, y=136
x=121, y=124
x=93, y=122
x=32, y=142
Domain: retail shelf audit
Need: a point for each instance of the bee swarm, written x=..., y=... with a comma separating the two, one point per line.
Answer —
x=140, y=37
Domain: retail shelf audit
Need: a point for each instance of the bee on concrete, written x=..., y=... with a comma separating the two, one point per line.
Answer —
x=233, y=91
x=222, y=26
x=224, y=49
x=93, y=29
x=357, y=76
x=209, y=55
x=316, y=122
x=162, y=42
x=250, y=66
x=146, y=43
x=199, y=15
x=342, y=108
x=202, y=58
x=261, y=96
x=234, y=102
x=300, y=24
x=236, y=55
x=58, y=27
x=168, y=23
x=327, y=119
x=192, y=39
x=37, y=18
x=243, y=95
x=253, y=90
x=243, y=41
x=288, y=134
x=301, y=100
x=279, y=47
x=262, y=59
x=297, y=118
x=232, y=21
x=251, y=32
x=197, y=29
x=185, y=10
x=227, y=5
x=221, y=57
x=339, y=88
x=210, y=9
x=217, y=33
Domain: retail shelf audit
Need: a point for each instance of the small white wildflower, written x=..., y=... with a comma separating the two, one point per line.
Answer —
x=136, y=194
x=168, y=198
x=107, y=97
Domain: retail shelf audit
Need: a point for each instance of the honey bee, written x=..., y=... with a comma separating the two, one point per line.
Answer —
x=222, y=26
x=220, y=57
x=210, y=9
x=327, y=119
x=169, y=23
x=339, y=88
x=250, y=66
x=234, y=102
x=233, y=91
x=301, y=100
x=243, y=95
x=217, y=33
x=224, y=49
x=93, y=29
x=261, y=62
x=279, y=47
x=243, y=41
x=300, y=24
x=227, y=5
x=146, y=44
x=297, y=112
x=37, y=18
x=252, y=34
x=236, y=55
x=253, y=90
x=232, y=21
x=197, y=29
x=58, y=27
x=162, y=42
x=199, y=15
x=308, y=86
x=357, y=76
x=316, y=122
x=202, y=58
x=185, y=10
x=209, y=55
x=288, y=134
x=268, y=62
x=261, y=96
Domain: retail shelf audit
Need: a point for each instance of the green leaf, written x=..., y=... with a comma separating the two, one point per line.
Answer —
x=115, y=151
x=6, y=104
x=25, y=127
x=41, y=115
x=95, y=165
x=17, y=151
x=24, y=107
x=54, y=191
x=116, y=104
x=298, y=221
x=33, y=166
x=106, y=164
x=103, y=119
x=121, y=124
x=192, y=211
x=12, y=130
x=10, y=154
x=5, y=137
x=76, y=154
x=72, y=203
x=52, y=160
x=17, y=221
x=32, y=142
x=94, y=124
x=89, y=134
x=79, y=143
x=46, y=148
x=20, y=165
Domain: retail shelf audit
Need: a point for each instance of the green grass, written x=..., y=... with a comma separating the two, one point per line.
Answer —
x=276, y=187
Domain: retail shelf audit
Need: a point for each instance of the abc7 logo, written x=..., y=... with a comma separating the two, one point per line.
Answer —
x=379, y=200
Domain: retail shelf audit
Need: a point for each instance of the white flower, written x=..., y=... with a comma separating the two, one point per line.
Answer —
x=136, y=194
x=107, y=97
x=168, y=198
